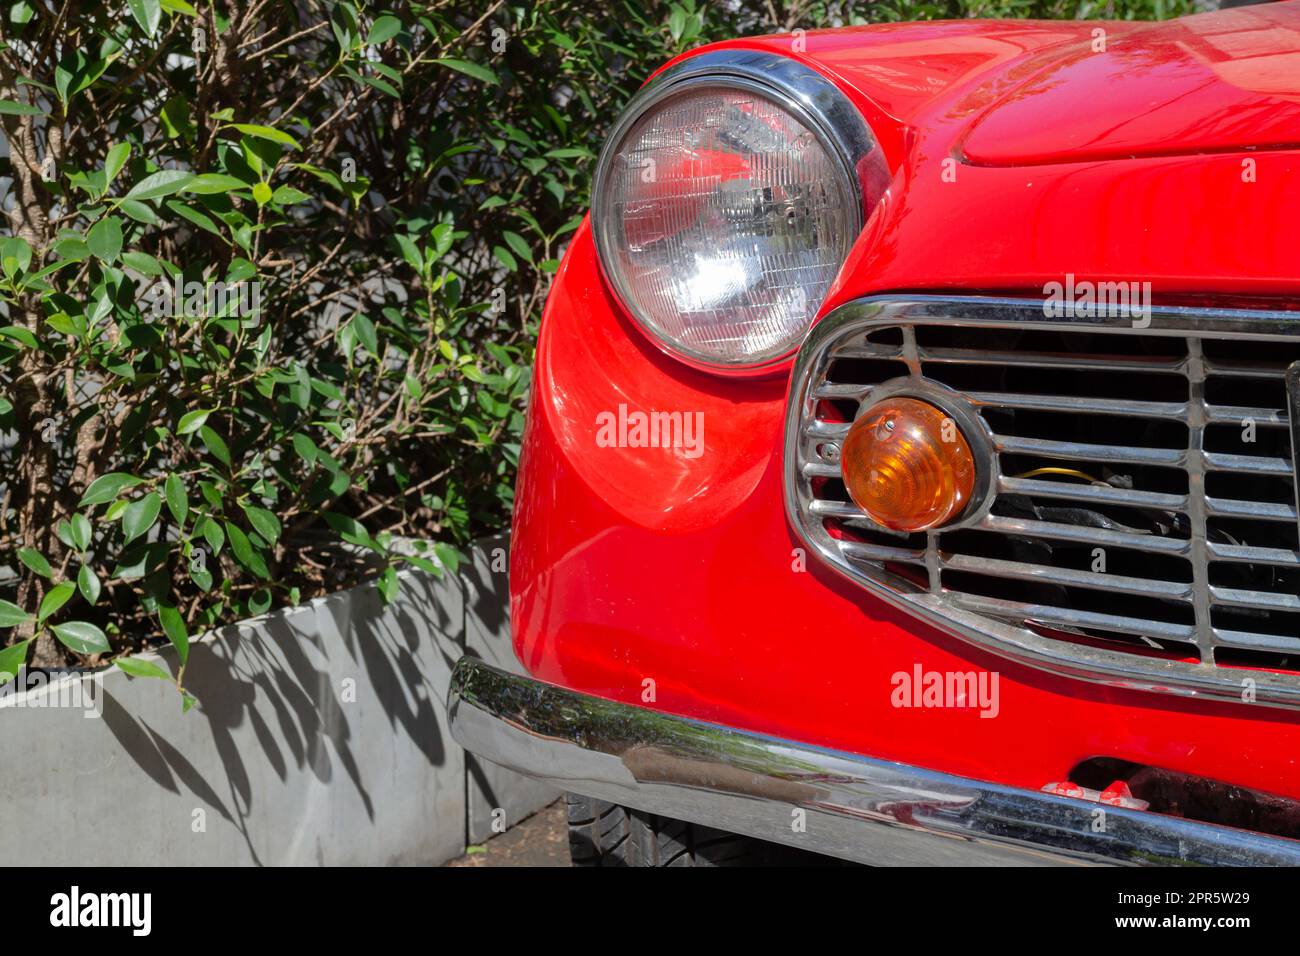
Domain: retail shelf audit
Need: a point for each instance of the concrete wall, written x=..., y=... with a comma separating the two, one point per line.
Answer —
x=320, y=738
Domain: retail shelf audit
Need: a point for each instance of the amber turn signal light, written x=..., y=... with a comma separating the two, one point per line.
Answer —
x=907, y=465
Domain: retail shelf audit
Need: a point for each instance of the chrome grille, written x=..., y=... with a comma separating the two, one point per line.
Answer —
x=1141, y=526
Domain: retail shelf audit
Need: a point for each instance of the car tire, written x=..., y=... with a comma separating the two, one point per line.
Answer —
x=607, y=834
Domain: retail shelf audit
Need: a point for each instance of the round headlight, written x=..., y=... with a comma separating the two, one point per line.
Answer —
x=726, y=201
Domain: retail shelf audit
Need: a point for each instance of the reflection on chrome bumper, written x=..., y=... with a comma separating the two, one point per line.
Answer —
x=855, y=808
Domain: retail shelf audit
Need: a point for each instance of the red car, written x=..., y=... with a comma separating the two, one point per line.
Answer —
x=908, y=475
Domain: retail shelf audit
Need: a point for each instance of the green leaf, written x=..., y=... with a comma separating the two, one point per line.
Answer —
x=12, y=660
x=36, y=561
x=476, y=70
x=677, y=22
x=288, y=196
x=173, y=626
x=114, y=161
x=140, y=516
x=192, y=421
x=105, y=239
x=239, y=543
x=10, y=108
x=21, y=12
x=107, y=487
x=19, y=334
x=138, y=560
x=76, y=72
x=409, y=251
x=162, y=183
x=147, y=13
x=388, y=584
x=175, y=118
x=517, y=243
x=366, y=335
x=82, y=637
x=188, y=700
x=88, y=584
x=424, y=564
x=177, y=502
x=11, y=615
x=139, y=212
x=193, y=215
x=568, y=153
x=261, y=194
x=264, y=523
x=240, y=269
x=305, y=447
x=209, y=183
x=202, y=577
x=215, y=444
x=142, y=263
x=16, y=256
x=54, y=599
x=213, y=535
x=243, y=551
x=79, y=528
x=267, y=133
x=383, y=29
x=504, y=257
x=138, y=668
x=382, y=86
x=348, y=528
x=448, y=556
x=260, y=601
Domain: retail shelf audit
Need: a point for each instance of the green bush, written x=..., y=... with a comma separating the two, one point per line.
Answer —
x=272, y=279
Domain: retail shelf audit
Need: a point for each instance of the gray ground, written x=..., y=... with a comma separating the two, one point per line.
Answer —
x=540, y=840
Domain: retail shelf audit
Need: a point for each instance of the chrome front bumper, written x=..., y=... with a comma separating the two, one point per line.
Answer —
x=854, y=808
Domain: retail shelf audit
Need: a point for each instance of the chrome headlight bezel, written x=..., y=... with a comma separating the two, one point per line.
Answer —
x=812, y=99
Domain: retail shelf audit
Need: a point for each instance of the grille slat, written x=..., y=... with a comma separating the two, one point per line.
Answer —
x=842, y=390
x=834, y=431
x=1264, y=600
x=1093, y=493
x=1249, y=555
x=821, y=469
x=1262, y=510
x=1248, y=464
x=835, y=509
x=1258, y=642
x=1107, y=363
x=1082, y=534
x=1061, y=617
x=1241, y=370
x=1078, y=451
x=1141, y=521
x=1072, y=406
x=1034, y=572
x=875, y=552
x=1239, y=414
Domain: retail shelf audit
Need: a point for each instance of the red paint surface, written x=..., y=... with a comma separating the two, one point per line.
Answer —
x=635, y=564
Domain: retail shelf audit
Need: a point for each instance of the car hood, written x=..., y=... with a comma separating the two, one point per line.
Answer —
x=1220, y=82
x=1026, y=92
x=1019, y=156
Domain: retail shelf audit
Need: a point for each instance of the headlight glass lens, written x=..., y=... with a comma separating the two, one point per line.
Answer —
x=722, y=221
